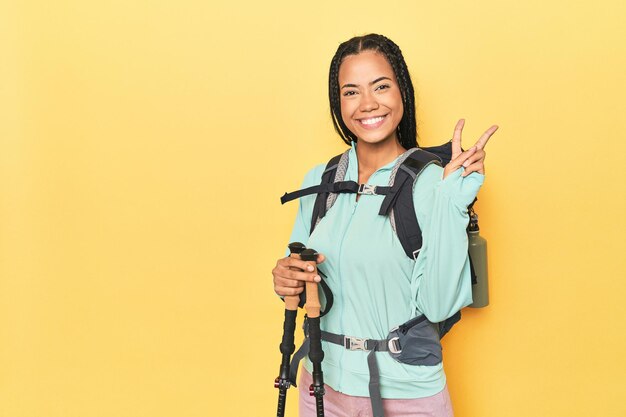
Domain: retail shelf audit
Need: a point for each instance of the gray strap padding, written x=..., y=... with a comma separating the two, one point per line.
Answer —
x=342, y=168
x=398, y=163
x=340, y=174
x=392, y=179
x=408, y=171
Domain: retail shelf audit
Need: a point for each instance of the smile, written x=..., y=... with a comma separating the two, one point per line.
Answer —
x=373, y=122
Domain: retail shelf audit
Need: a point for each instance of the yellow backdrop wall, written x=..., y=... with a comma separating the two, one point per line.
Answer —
x=145, y=144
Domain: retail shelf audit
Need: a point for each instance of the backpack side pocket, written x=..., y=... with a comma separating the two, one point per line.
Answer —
x=416, y=342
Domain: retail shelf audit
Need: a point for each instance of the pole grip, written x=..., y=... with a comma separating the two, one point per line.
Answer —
x=292, y=301
x=312, y=305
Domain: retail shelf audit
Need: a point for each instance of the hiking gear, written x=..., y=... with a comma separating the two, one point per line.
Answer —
x=287, y=345
x=416, y=342
x=478, y=254
x=398, y=201
x=316, y=354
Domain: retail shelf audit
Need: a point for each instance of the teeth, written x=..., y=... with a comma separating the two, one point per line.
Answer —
x=372, y=121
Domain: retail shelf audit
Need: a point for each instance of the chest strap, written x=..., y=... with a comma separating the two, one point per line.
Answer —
x=337, y=187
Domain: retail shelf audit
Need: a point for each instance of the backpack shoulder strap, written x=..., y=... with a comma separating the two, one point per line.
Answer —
x=443, y=152
x=335, y=171
x=398, y=204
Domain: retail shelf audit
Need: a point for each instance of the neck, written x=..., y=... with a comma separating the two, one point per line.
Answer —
x=372, y=156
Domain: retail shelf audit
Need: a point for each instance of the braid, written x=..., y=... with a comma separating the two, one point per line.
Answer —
x=333, y=95
x=407, y=129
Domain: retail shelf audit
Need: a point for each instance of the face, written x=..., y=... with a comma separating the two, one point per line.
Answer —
x=371, y=101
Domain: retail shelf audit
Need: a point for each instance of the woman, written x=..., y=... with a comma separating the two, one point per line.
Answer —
x=375, y=285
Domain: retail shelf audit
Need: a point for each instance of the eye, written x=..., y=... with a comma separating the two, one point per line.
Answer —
x=383, y=87
x=349, y=93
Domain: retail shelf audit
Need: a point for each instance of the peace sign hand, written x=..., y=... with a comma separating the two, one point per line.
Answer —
x=472, y=160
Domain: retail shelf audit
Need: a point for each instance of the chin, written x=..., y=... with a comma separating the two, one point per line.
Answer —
x=375, y=138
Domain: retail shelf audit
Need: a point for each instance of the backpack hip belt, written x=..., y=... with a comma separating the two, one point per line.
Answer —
x=416, y=342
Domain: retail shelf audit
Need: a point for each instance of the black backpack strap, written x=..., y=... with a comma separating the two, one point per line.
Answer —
x=333, y=187
x=324, y=201
x=443, y=152
x=398, y=203
x=446, y=325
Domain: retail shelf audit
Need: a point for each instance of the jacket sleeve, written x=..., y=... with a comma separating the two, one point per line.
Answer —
x=302, y=226
x=441, y=280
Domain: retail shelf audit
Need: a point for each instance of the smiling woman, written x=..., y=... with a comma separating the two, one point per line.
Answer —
x=371, y=106
x=378, y=285
x=371, y=102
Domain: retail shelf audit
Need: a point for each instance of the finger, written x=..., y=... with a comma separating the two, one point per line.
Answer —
x=458, y=161
x=291, y=283
x=475, y=167
x=298, y=275
x=292, y=262
x=320, y=258
x=456, y=138
x=479, y=155
x=287, y=291
x=282, y=271
x=482, y=141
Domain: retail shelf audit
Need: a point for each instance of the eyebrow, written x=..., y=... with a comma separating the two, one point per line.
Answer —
x=371, y=82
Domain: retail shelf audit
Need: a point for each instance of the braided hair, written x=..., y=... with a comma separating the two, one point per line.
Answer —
x=407, y=130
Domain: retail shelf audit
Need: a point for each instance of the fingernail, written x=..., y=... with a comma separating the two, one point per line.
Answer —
x=310, y=268
x=317, y=278
x=466, y=163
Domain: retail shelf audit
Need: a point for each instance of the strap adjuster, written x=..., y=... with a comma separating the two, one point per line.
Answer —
x=393, y=345
x=355, y=343
x=367, y=189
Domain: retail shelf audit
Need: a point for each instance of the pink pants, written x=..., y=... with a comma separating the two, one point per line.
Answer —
x=337, y=404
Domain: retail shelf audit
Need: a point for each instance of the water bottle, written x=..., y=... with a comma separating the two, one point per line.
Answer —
x=478, y=254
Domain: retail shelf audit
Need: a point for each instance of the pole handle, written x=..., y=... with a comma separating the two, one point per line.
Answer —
x=312, y=305
x=293, y=301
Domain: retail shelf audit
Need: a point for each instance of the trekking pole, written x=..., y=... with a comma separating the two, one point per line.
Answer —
x=287, y=345
x=316, y=354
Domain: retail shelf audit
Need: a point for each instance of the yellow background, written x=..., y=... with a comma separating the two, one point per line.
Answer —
x=145, y=144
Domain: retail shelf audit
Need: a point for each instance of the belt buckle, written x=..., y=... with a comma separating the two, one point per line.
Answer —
x=354, y=343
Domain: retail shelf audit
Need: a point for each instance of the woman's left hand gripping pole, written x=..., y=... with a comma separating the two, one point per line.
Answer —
x=316, y=354
x=287, y=345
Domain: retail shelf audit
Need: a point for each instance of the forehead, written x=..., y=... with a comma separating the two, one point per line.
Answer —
x=364, y=67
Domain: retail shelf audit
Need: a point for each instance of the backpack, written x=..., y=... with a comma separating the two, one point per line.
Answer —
x=416, y=342
x=397, y=203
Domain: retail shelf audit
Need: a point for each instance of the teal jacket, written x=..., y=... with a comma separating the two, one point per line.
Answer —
x=376, y=286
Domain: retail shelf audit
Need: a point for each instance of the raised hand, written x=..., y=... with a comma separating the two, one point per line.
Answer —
x=472, y=160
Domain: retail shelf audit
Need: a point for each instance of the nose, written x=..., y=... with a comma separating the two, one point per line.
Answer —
x=368, y=102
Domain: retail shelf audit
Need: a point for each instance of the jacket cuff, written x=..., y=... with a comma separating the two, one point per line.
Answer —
x=462, y=190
